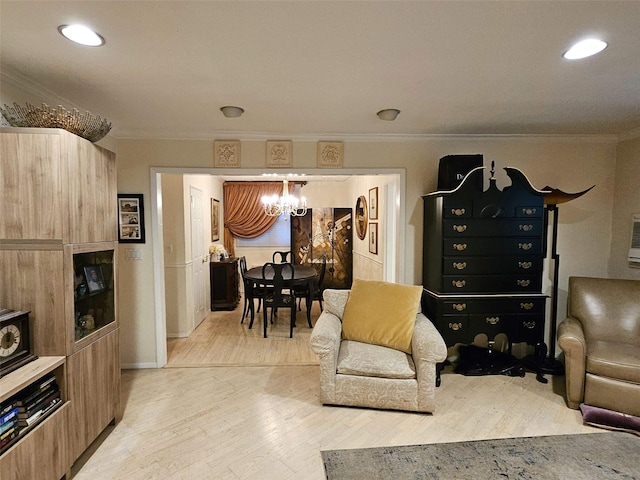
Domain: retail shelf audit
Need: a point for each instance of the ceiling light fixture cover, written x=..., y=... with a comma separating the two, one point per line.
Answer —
x=231, y=112
x=388, y=114
x=585, y=48
x=82, y=35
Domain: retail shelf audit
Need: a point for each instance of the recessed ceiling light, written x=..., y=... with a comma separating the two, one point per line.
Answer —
x=585, y=48
x=82, y=35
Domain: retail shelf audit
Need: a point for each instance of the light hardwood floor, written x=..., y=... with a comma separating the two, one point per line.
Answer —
x=222, y=340
x=265, y=422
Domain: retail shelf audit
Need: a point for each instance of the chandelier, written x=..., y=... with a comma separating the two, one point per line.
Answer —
x=286, y=204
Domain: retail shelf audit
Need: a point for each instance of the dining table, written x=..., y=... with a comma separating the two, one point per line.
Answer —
x=301, y=275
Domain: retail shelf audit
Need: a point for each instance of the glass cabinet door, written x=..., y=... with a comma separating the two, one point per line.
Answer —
x=94, y=293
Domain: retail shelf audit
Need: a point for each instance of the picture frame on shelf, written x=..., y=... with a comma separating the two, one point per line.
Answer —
x=373, y=203
x=373, y=238
x=95, y=279
x=215, y=220
x=131, y=218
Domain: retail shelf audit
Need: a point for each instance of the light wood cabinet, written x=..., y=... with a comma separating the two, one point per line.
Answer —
x=44, y=451
x=59, y=222
x=93, y=384
x=56, y=186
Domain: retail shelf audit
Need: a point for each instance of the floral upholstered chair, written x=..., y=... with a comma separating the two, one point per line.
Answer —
x=376, y=349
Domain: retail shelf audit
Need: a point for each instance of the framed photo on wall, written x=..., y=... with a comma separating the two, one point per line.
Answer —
x=130, y=218
x=373, y=203
x=373, y=238
x=215, y=220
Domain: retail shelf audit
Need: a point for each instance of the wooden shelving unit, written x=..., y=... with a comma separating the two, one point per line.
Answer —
x=59, y=216
x=41, y=451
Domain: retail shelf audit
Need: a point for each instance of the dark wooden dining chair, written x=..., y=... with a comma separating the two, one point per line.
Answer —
x=281, y=257
x=302, y=291
x=248, y=292
x=275, y=294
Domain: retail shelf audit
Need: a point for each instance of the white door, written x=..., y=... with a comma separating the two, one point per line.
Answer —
x=199, y=258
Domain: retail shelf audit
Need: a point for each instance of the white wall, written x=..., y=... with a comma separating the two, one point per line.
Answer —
x=626, y=203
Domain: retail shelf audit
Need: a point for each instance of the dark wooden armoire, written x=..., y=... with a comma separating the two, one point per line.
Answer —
x=328, y=232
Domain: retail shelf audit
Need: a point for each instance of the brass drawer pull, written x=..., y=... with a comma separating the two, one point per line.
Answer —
x=523, y=283
x=459, y=228
x=458, y=283
x=459, y=306
x=525, y=265
x=459, y=265
x=526, y=306
x=526, y=228
x=529, y=325
x=493, y=320
x=529, y=211
x=525, y=246
x=460, y=246
x=458, y=211
x=455, y=326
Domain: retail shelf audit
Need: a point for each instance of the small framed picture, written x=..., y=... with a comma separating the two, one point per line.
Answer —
x=95, y=280
x=373, y=203
x=215, y=220
x=130, y=218
x=373, y=238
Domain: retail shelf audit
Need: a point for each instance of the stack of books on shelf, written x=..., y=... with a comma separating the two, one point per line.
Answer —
x=25, y=409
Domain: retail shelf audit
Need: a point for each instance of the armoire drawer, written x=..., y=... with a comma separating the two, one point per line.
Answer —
x=516, y=264
x=491, y=283
x=487, y=227
x=491, y=246
x=493, y=306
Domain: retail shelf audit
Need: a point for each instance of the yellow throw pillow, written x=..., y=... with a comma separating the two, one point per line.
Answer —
x=381, y=313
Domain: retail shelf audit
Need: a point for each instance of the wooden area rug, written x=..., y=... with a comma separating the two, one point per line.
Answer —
x=594, y=456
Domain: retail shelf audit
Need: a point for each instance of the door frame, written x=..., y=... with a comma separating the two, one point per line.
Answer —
x=395, y=243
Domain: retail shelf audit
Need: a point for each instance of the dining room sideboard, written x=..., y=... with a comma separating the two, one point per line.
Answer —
x=225, y=284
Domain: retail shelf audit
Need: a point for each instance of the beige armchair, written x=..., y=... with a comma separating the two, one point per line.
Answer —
x=366, y=375
x=601, y=344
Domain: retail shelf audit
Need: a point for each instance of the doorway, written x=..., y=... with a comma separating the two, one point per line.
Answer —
x=392, y=239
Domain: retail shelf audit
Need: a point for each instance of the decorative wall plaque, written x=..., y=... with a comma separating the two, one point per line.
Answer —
x=330, y=154
x=279, y=154
x=226, y=153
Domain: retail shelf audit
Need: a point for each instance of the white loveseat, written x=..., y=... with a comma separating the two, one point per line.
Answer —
x=365, y=375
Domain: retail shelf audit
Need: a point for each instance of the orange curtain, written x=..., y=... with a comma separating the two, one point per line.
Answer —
x=244, y=215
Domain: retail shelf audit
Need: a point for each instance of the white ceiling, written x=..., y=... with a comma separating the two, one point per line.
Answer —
x=324, y=68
